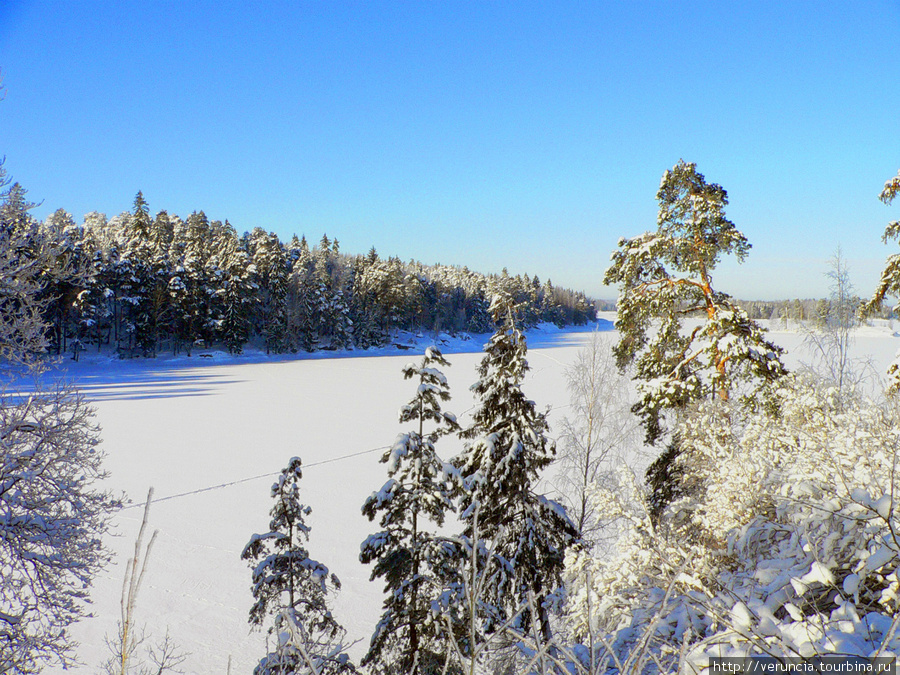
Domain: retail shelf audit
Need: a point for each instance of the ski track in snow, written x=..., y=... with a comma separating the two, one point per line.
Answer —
x=185, y=424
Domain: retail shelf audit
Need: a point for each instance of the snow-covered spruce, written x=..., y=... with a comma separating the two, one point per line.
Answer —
x=292, y=589
x=411, y=636
x=506, y=449
x=271, y=269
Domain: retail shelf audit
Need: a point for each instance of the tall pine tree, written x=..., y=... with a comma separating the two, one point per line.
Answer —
x=665, y=276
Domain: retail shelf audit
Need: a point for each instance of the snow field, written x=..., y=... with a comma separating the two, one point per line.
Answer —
x=184, y=425
x=183, y=429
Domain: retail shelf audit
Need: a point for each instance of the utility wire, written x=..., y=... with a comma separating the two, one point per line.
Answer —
x=251, y=478
x=275, y=473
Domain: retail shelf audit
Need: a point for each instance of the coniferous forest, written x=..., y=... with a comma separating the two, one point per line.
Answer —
x=143, y=285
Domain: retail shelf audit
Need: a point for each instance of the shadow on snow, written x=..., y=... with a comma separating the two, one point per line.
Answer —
x=103, y=378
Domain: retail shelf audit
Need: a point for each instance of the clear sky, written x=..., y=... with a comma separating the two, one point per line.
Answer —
x=488, y=134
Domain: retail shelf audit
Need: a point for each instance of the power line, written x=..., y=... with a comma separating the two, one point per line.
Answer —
x=275, y=473
x=252, y=478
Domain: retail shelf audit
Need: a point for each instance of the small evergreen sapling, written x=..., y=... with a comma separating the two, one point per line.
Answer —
x=293, y=588
x=408, y=638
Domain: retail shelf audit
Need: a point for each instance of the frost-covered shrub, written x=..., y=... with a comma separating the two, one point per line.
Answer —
x=782, y=540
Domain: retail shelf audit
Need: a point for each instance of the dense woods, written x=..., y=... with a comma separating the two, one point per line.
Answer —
x=144, y=284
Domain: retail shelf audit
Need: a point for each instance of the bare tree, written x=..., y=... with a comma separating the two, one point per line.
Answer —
x=52, y=519
x=51, y=522
x=600, y=433
x=831, y=341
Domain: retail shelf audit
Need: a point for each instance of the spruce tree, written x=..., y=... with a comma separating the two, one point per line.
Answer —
x=235, y=292
x=161, y=272
x=306, y=299
x=271, y=265
x=62, y=239
x=198, y=286
x=292, y=588
x=367, y=331
x=134, y=277
x=507, y=448
x=408, y=556
x=339, y=321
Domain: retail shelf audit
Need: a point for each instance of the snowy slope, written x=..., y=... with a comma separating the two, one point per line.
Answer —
x=182, y=425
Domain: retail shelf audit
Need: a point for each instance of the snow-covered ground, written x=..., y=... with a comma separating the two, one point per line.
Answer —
x=209, y=434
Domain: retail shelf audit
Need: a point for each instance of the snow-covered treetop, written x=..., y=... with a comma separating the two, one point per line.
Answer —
x=432, y=390
x=890, y=276
x=665, y=276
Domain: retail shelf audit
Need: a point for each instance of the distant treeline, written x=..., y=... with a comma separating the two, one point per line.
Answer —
x=143, y=284
x=808, y=310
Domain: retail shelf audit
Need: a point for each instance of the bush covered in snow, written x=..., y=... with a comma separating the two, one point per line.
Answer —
x=783, y=541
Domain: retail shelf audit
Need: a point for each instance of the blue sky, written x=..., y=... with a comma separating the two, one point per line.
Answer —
x=487, y=134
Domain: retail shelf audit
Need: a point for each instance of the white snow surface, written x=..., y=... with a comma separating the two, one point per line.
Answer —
x=210, y=434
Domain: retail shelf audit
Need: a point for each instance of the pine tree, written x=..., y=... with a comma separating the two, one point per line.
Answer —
x=292, y=588
x=890, y=276
x=407, y=556
x=507, y=448
x=665, y=276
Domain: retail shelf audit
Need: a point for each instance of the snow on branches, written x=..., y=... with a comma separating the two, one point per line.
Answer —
x=890, y=276
x=406, y=555
x=666, y=277
x=783, y=540
x=507, y=449
x=293, y=588
x=52, y=519
x=51, y=524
